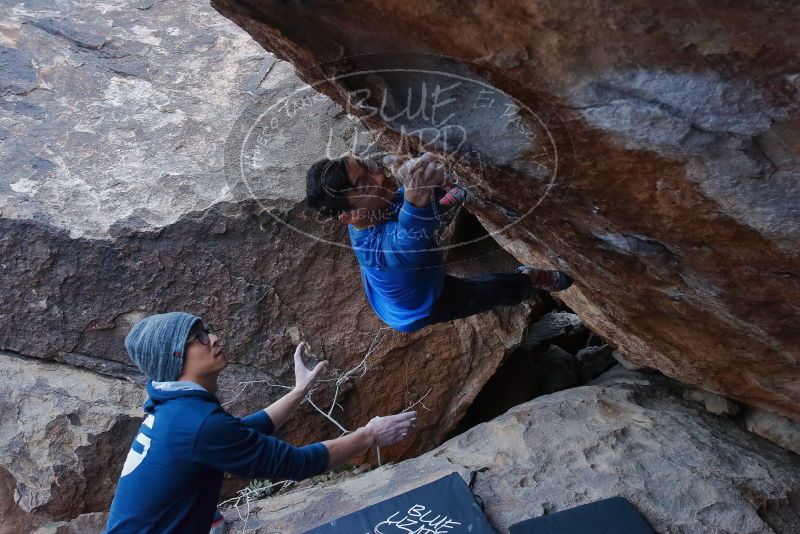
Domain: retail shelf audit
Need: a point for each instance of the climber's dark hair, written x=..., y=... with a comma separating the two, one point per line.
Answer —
x=327, y=186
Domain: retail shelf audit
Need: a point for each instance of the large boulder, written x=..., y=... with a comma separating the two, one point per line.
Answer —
x=118, y=112
x=684, y=469
x=649, y=150
x=138, y=179
x=64, y=434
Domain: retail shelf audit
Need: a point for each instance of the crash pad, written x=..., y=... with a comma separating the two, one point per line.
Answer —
x=444, y=506
x=608, y=516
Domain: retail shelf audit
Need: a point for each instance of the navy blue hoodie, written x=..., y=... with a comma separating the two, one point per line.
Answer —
x=172, y=476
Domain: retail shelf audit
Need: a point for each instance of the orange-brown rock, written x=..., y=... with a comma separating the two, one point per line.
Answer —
x=675, y=203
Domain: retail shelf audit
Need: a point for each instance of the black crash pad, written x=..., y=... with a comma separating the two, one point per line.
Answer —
x=609, y=516
x=444, y=506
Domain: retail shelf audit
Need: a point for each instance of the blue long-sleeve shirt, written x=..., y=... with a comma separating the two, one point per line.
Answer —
x=401, y=267
x=172, y=476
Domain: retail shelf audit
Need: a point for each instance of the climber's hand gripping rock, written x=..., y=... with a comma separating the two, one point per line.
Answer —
x=419, y=176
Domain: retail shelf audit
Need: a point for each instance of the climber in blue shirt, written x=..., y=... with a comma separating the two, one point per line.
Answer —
x=172, y=476
x=392, y=232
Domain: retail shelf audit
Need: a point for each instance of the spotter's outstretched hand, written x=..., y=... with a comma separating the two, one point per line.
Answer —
x=304, y=377
x=388, y=430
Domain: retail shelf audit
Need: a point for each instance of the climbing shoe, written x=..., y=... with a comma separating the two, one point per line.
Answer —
x=453, y=197
x=546, y=279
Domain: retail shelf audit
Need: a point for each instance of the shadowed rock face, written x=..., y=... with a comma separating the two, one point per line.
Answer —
x=283, y=289
x=685, y=470
x=676, y=204
x=264, y=287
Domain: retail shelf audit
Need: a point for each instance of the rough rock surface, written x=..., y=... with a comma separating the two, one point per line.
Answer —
x=118, y=111
x=93, y=523
x=64, y=433
x=781, y=430
x=259, y=303
x=562, y=328
x=713, y=403
x=685, y=470
x=253, y=302
x=675, y=204
x=163, y=89
x=593, y=361
x=627, y=364
x=124, y=127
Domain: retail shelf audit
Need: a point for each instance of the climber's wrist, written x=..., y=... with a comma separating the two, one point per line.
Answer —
x=419, y=198
x=367, y=436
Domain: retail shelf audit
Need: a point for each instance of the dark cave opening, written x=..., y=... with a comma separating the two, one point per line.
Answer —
x=557, y=351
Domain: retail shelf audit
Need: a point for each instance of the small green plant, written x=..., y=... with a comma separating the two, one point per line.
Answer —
x=258, y=489
x=324, y=477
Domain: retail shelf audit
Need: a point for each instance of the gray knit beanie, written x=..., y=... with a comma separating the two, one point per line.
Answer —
x=156, y=344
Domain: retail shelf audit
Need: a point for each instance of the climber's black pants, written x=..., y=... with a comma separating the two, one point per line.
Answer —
x=463, y=297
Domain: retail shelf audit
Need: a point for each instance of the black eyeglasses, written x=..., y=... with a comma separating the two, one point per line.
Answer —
x=201, y=334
